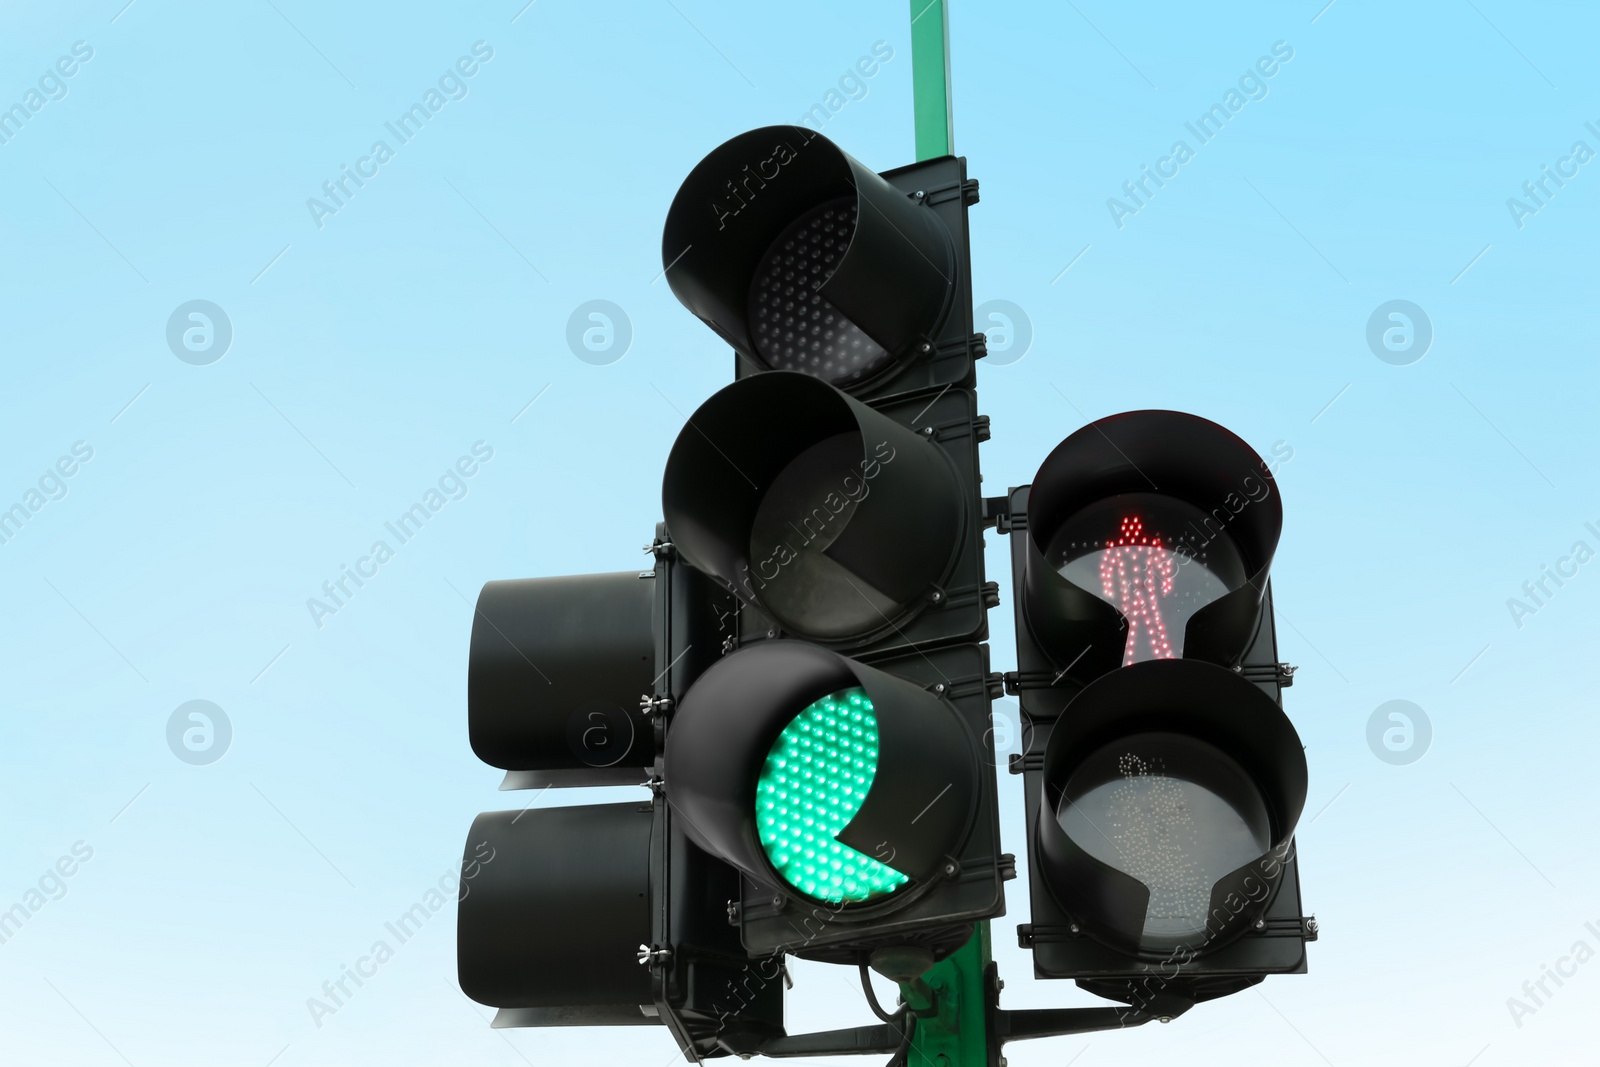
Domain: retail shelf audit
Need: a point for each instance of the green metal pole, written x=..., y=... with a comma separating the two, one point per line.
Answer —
x=930, y=78
x=958, y=1035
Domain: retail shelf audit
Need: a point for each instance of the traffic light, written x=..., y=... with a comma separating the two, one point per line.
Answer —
x=598, y=914
x=833, y=756
x=850, y=797
x=555, y=675
x=804, y=259
x=1163, y=780
x=801, y=681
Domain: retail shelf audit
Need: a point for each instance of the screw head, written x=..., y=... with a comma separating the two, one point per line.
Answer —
x=777, y=900
x=1261, y=924
x=1075, y=928
x=919, y=195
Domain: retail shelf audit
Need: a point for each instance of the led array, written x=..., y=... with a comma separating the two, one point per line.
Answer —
x=795, y=328
x=1131, y=570
x=813, y=782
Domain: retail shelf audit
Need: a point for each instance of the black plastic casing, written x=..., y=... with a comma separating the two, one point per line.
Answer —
x=551, y=928
x=1063, y=943
x=906, y=280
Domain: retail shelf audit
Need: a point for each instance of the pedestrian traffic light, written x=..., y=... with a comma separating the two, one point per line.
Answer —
x=1150, y=535
x=1163, y=780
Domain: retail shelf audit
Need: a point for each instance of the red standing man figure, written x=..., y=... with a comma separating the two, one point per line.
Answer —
x=1129, y=573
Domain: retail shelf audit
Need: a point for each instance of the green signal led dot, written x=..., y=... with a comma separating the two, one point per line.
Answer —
x=813, y=782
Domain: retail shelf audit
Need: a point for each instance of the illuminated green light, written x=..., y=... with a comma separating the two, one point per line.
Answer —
x=814, y=780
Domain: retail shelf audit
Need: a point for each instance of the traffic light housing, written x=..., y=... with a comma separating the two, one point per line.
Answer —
x=802, y=258
x=599, y=914
x=832, y=521
x=1162, y=780
x=556, y=670
x=833, y=490
x=909, y=856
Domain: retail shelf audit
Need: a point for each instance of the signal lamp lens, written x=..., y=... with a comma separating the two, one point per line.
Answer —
x=1175, y=813
x=795, y=327
x=814, y=780
x=1155, y=559
x=805, y=510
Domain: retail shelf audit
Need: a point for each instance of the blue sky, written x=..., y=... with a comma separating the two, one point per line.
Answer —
x=374, y=346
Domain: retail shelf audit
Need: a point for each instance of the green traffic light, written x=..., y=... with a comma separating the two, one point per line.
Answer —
x=815, y=778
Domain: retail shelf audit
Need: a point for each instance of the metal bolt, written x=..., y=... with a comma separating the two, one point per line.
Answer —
x=1311, y=926
x=926, y=347
x=1075, y=928
x=772, y=633
x=950, y=869
x=777, y=901
x=918, y=195
x=1164, y=1019
x=1261, y=924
